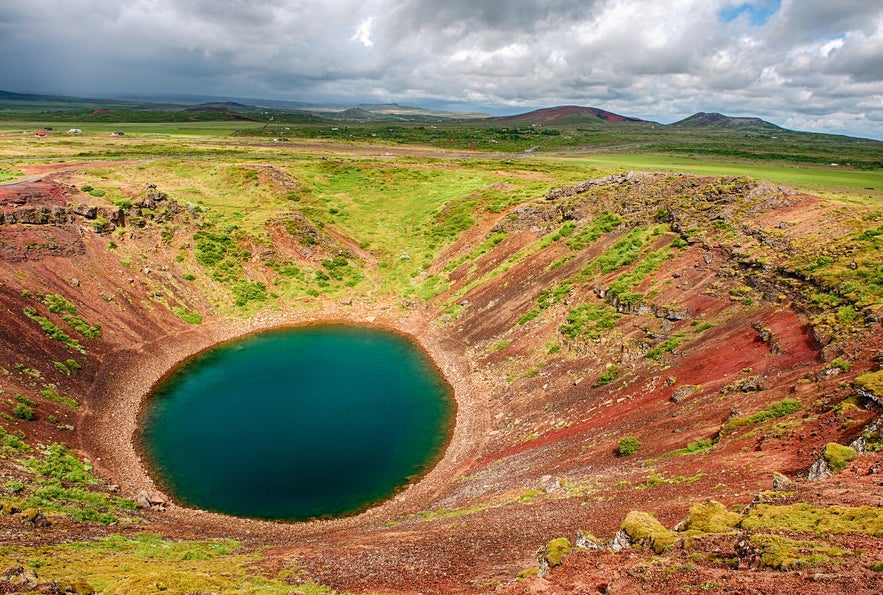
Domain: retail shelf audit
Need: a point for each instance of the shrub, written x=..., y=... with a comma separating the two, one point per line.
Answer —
x=608, y=376
x=24, y=412
x=245, y=292
x=628, y=445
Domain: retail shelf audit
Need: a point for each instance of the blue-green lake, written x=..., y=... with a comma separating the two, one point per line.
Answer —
x=299, y=423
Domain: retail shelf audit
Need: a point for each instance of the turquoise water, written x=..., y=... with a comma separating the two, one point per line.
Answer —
x=297, y=423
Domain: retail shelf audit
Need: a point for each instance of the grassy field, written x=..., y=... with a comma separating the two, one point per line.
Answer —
x=828, y=181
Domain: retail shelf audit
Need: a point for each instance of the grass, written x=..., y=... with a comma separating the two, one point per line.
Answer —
x=589, y=321
x=773, y=410
x=148, y=563
x=52, y=330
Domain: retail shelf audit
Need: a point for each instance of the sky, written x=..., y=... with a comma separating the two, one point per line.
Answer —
x=814, y=65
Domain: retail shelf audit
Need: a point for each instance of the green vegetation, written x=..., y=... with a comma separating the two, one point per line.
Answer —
x=24, y=412
x=838, y=456
x=872, y=382
x=806, y=518
x=188, y=317
x=666, y=346
x=588, y=321
x=643, y=528
x=607, y=376
x=249, y=291
x=53, y=331
x=602, y=223
x=773, y=410
x=711, y=517
x=556, y=550
x=628, y=445
x=700, y=446
x=782, y=553
x=153, y=564
x=50, y=391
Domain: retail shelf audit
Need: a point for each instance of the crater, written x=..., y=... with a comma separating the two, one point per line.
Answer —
x=297, y=423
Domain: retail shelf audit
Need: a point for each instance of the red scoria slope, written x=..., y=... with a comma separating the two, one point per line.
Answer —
x=555, y=352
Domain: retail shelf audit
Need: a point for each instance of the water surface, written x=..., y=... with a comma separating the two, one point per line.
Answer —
x=297, y=423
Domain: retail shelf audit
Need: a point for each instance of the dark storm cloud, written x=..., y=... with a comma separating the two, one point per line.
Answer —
x=809, y=64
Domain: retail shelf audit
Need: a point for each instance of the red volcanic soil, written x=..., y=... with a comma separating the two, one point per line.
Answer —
x=534, y=453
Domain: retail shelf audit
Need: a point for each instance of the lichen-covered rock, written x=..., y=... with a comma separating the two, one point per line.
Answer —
x=780, y=481
x=620, y=542
x=33, y=517
x=18, y=579
x=552, y=554
x=587, y=541
x=682, y=392
x=642, y=528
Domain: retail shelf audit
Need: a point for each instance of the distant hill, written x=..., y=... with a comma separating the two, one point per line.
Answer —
x=568, y=114
x=356, y=113
x=722, y=122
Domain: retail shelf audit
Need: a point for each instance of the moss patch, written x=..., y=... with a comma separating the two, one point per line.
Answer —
x=782, y=553
x=838, y=456
x=556, y=550
x=806, y=518
x=871, y=381
x=644, y=529
x=711, y=517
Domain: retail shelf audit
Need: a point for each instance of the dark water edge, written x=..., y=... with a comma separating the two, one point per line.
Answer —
x=297, y=423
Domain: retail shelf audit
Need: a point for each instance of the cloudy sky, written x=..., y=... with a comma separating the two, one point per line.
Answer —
x=806, y=64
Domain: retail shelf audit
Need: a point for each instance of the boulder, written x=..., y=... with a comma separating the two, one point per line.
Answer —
x=147, y=499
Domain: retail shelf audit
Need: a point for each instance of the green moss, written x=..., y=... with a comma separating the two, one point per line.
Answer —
x=643, y=528
x=602, y=223
x=51, y=392
x=806, y=518
x=666, y=346
x=528, y=572
x=871, y=381
x=782, y=553
x=556, y=550
x=711, y=517
x=876, y=566
x=696, y=447
x=838, y=456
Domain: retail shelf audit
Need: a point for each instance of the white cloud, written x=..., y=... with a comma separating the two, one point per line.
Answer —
x=807, y=62
x=363, y=33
